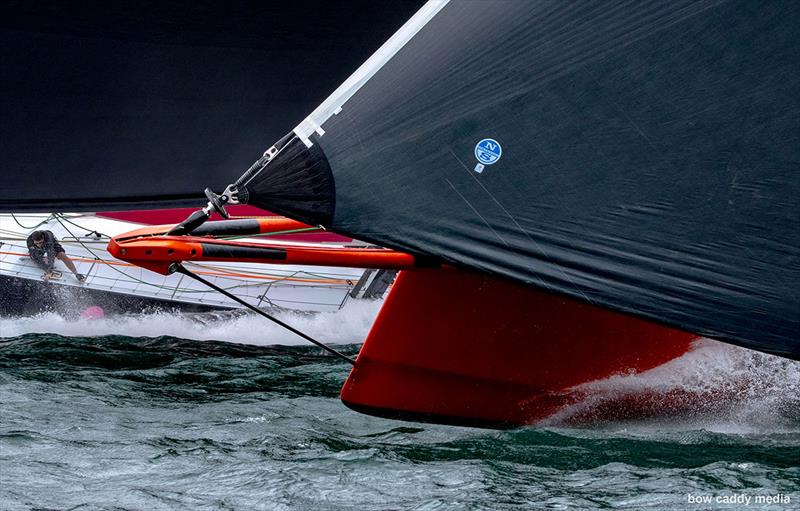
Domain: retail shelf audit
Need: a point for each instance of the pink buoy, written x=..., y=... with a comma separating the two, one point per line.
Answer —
x=93, y=312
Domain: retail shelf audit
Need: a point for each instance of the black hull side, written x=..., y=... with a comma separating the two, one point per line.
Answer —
x=24, y=297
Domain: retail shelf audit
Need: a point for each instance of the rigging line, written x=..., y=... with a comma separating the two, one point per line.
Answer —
x=130, y=277
x=109, y=264
x=35, y=226
x=181, y=269
x=80, y=227
x=298, y=274
x=264, y=234
x=275, y=274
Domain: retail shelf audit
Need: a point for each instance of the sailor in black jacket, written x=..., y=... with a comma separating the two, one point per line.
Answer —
x=45, y=249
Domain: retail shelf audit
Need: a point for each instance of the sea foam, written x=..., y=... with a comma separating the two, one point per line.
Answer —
x=346, y=326
x=714, y=387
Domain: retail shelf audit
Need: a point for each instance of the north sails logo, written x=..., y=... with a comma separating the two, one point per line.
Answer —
x=488, y=152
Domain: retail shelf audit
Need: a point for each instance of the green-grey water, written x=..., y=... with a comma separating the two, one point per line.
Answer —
x=142, y=422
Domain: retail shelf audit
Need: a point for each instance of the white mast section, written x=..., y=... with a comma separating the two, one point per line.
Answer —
x=333, y=104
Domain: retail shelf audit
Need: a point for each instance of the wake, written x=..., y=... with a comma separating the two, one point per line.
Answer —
x=714, y=387
x=346, y=326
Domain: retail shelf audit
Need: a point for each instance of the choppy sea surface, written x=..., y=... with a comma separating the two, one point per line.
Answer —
x=156, y=411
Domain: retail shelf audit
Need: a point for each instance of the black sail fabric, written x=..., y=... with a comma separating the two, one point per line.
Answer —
x=128, y=106
x=649, y=156
x=301, y=186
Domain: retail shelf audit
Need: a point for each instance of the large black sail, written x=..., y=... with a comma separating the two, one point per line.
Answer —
x=122, y=105
x=638, y=156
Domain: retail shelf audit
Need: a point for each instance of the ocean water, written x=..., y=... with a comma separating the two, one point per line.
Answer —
x=163, y=412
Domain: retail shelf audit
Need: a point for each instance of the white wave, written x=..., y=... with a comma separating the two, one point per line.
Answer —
x=715, y=387
x=348, y=325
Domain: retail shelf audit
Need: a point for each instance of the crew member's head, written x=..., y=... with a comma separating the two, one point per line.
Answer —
x=38, y=238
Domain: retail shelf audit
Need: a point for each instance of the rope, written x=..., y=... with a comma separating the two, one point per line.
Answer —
x=111, y=264
x=216, y=271
x=274, y=233
x=101, y=260
x=181, y=269
x=31, y=228
x=62, y=217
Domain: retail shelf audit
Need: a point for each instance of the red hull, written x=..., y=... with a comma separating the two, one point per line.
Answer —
x=460, y=347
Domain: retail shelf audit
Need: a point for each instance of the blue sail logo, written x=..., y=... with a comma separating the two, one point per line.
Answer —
x=488, y=151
